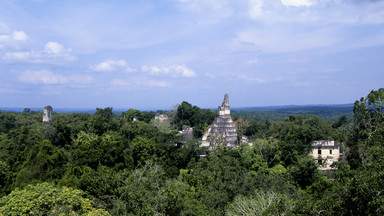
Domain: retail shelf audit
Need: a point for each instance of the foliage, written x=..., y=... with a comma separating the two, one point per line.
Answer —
x=44, y=199
x=44, y=162
x=107, y=162
x=193, y=116
x=274, y=114
x=262, y=203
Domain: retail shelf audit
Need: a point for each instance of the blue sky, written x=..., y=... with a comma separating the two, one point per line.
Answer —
x=158, y=53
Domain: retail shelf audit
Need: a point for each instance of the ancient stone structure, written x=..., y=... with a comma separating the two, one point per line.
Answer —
x=244, y=139
x=161, y=117
x=47, y=114
x=325, y=152
x=222, y=130
x=187, y=133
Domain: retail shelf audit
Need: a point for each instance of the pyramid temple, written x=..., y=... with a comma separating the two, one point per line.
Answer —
x=222, y=130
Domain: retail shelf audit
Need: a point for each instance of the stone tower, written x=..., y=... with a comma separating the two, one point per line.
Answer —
x=48, y=113
x=222, y=130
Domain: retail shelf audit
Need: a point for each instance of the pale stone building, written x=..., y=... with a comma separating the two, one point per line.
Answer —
x=222, y=130
x=187, y=133
x=325, y=152
x=162, y=117
x=47, y=114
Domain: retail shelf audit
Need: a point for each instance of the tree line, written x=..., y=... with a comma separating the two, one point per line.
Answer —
x=108, y=164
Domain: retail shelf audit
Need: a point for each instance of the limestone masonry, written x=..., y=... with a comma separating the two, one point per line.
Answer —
x=222, y=130
x=48, y=113
x=325, y=152
x=161, y=117
x=187, y=133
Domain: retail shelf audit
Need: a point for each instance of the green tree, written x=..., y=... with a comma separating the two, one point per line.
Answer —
x=46, y=199
x=105, y=113
x=262, y=203
x=305, y=172
x=142, y=190
x=184, y=114
x=131, y=113
x=365, y=155
x=93, y=150
x=7, y=122
x=366, y=138
x=133, y=130
x=44, y=162
x=26, y=110
x=193, y=116
x=144, y=149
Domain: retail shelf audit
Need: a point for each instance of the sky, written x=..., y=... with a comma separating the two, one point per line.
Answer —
x=158, y=53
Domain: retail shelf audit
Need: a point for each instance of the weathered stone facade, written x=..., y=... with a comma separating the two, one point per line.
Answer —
x=187, y=133
x=47, y=114
x=222, y=130
x=161, y=117
x=325, y=152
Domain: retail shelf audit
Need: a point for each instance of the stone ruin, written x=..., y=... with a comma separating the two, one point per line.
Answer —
x=161, y=117
x=47, y=114
x=187, y=133
x=325, y=152
x=222, y=130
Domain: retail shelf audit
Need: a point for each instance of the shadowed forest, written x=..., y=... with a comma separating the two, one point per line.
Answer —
x=107, y=164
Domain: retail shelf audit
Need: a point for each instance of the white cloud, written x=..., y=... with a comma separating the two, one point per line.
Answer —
x=120, y=83
x=201, y=5
x=11, y=40
x=53, y=53
x=121, y=65
x=42, y=76
x=252, y=79
x=174, y=71
x=17, y=56
x=183, y=71
x=4, y=38
x=297, y=3
x=207, y=11
x=54, y=48
x=255, y=8
x=3, y=28
x=285, y=39
x=317, y=11
x=138, y=82
x=110, y=65
x=48, y=77
x=156, y=83
x=20, y=36
x=130, y=70
x=302, y=25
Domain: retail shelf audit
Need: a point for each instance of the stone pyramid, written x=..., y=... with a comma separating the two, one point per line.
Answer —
x=222, y=130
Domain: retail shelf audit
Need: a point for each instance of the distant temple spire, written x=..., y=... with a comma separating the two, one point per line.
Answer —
x=225, y=101
x=224, y=109
x=47, y=114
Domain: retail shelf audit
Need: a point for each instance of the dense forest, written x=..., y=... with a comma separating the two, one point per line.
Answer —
x=280, y=113
x=108, y=164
